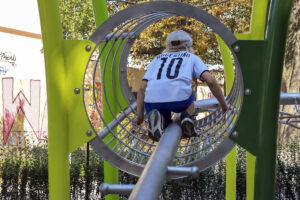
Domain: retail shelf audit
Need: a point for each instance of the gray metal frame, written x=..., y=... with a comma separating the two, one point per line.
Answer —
x=154, y=175
x=132, y=153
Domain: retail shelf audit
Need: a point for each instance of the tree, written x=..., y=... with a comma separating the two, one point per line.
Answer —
x=77, y=18
x=235, y=14
x=78, y=23
x=291, y=71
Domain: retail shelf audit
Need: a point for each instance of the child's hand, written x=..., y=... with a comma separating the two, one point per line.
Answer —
x=139, y=120
x=224, y=108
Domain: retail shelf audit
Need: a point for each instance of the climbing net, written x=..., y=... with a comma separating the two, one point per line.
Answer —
x=291, y=119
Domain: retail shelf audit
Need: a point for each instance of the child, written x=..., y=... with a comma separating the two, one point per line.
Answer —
x=167, y=86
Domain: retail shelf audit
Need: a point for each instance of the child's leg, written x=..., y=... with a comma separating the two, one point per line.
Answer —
x=158, y=119
x=178, y=107
x=185, y=110
x=187, y=121
x=191, y=109
x=161, y=107
x=176, y=118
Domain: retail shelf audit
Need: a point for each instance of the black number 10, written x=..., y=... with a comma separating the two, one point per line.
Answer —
x=169, y=76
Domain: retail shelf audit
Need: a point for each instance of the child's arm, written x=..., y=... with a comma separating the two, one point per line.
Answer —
x=140, y=102
x=215, y=89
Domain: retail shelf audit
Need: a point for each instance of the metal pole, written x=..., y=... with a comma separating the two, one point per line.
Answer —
x=110, y=172
x=289, y=98
x=184, y=171
x=117, y=121
x=106, y=188
x=154, y=175
x=269, y=103
x=58, y=148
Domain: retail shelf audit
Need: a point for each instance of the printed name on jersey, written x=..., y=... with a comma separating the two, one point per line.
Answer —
x=170, y=55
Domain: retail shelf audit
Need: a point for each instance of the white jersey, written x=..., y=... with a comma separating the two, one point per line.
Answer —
x=170, y=76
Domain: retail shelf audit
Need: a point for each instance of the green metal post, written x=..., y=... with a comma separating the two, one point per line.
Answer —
x=257, y=30
x=59, y=176
x=230, y=192
x=110, y=172
x=275, y=39
x=65, y=61
x=250, y=175
x=100, y=11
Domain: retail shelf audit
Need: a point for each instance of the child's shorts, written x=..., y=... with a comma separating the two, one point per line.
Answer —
x=167, y=107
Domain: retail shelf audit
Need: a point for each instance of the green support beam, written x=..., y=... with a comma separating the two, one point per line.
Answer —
x=276, y=32
x=65, y=63
x=257, y=31
x=58, y=145
x=230, y=192
x=111, y=174
x=262, y=63
x=264, y=83
x=257, y=27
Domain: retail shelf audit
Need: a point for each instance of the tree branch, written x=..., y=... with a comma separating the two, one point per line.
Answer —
x=212, y=4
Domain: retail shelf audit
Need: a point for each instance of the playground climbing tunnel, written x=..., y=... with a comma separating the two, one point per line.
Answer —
x=122, y=142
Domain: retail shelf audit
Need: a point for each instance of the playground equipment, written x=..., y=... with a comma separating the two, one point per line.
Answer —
x=290, y=119
x=131, y=150
x=127, y=147
x=250, y=122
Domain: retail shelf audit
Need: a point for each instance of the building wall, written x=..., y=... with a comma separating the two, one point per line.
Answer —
x=23, y=100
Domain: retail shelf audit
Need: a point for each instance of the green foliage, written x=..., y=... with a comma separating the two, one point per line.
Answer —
x=77, y=173
x=209, y=185
x=78, y=23
x=24, y=175
x=235, y=14
x=9, y=186
x=77, y=18
x=288, y=171
x=86, y=178
x=37, y=164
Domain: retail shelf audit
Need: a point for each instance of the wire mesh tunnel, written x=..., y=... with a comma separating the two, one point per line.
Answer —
x=126, y=144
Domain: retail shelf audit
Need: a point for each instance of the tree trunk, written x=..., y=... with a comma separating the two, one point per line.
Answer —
x=291, y=71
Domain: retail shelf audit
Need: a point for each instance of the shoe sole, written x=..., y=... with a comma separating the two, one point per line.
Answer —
x=155, y=124
x=187, y=126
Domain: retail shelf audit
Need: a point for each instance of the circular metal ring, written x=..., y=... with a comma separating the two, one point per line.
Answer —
x=125, y=144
